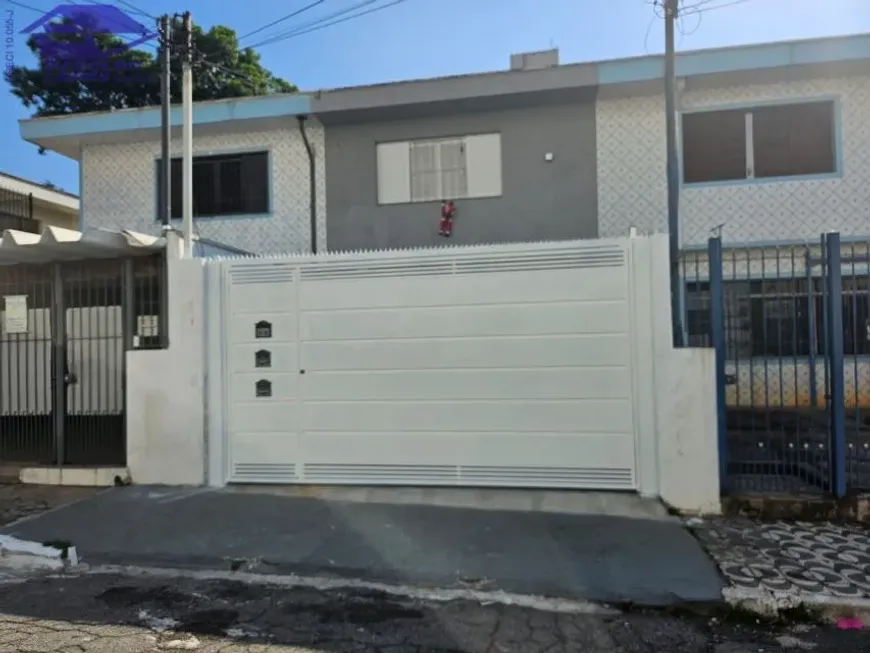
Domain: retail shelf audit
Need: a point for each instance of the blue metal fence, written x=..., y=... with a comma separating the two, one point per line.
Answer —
x=791, y=329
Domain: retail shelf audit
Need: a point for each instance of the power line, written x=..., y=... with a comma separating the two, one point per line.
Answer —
x=136, y=9
x=698, y=8
x=708, y=5
x=283, y=18
x=681, y=26
x=325, y=22
x=43, y=12
x=328, y=21
x=317, y=21
x=24, y=6
x=202, y=60
x=652, y=20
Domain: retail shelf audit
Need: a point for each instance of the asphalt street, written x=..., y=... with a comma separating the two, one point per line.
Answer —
x=118, y=614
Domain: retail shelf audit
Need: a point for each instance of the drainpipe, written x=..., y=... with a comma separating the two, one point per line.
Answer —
x=312, y=183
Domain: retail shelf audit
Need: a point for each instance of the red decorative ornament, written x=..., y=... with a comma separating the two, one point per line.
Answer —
x=448, y=212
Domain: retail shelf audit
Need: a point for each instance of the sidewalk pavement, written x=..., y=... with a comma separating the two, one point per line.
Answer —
x=788, y=563
x=21, y=501
x=645, y=558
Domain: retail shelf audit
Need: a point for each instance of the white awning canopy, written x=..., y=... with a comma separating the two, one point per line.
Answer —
x=57, y=244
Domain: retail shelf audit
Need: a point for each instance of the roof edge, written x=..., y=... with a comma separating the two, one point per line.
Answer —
x=204, y=113
x=40, y=192
x=592, y=75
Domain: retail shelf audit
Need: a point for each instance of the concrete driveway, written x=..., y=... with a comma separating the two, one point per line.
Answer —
x=641, y=557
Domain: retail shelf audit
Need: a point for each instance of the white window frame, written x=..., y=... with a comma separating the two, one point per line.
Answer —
x=416, y=171
x=749, y=141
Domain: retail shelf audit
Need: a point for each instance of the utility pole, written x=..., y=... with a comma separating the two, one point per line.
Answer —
x=187, y=136
x=671, y=9
x=165, y=211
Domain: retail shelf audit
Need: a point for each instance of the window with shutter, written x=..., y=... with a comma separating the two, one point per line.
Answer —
x=433, y=170
x=714, y=146
x=454, y=173
x=425, y=172
x=762, y=142
x=223, y=185
x=794, y=139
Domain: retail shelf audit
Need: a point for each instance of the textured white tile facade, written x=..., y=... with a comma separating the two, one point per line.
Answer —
x=632, y=176
x=119, y=189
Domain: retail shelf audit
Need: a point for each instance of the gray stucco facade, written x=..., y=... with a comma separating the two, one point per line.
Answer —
x=540, y=200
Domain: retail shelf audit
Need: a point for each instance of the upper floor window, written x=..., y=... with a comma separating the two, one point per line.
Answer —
x=437, y=169
x=223, y=185
x=762, y=142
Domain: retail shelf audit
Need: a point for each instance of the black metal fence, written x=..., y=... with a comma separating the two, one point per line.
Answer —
x=64, y=332
x=16, y=212
x=791, y=327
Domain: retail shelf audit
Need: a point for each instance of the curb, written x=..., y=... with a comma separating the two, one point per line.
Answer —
x=769, y=603
x=441, y=595
x=26, y=555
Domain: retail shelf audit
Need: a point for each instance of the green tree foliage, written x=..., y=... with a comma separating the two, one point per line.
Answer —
x=222, y=70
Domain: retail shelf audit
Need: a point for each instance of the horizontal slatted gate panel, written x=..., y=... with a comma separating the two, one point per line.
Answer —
x=263, y=372
x=500, y=366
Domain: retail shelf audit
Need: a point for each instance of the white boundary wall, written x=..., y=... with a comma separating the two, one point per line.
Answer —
x=171, y=441
x=165, y=387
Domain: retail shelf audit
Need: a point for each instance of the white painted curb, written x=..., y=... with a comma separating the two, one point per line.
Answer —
x=27, y=555
x=770, y=603
x=568, y=606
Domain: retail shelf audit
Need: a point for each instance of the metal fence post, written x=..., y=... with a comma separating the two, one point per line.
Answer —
x=59, y=363
x=717, y=332
x=835, y=364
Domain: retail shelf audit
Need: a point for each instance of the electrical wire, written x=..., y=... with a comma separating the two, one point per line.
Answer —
x=136, y=9
x=652, y=21
x=698, y=8
x=681, y=26
x=201, y=60
x=326, y=22
x=283, y=18
x=317, y=21
x=708, y=5
x=24, y=6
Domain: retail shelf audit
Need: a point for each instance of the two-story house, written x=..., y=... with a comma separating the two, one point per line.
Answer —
x=773, y=138
x=774, y=144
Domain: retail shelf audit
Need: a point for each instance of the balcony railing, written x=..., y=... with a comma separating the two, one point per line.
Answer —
x=16, y=212
x=19, y=224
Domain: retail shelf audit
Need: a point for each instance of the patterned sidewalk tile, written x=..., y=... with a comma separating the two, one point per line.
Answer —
x=791, y=557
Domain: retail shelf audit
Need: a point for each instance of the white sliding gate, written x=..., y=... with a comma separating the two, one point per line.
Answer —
x=480, y=366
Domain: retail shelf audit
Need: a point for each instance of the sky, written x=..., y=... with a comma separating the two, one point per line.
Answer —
x=428, y=38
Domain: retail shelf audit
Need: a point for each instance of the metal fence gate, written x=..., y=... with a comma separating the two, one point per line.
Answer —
x=791, y=329
x=64, y=331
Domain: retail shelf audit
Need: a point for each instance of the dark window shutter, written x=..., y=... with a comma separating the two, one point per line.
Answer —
x=714, y=146
x=232, y=187
x=204, y=190
x=176, y=191
x=794, y=139
x=255, y=186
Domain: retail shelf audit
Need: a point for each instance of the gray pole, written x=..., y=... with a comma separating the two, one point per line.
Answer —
x=187, y=137
x=165, y=126
x=671, y=8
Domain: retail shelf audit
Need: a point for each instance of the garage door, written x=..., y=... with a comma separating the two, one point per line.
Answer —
x=489, y=366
